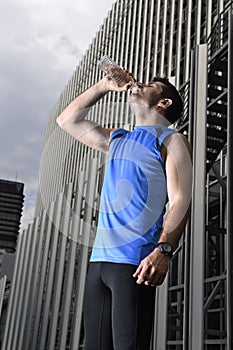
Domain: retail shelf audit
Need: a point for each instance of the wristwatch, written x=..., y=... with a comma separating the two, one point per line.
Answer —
x=166, y=248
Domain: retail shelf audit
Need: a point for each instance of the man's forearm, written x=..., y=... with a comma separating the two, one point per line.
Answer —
x=79, y=107
x=174, y=224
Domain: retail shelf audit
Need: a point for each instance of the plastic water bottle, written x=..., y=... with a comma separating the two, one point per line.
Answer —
x=108, y=66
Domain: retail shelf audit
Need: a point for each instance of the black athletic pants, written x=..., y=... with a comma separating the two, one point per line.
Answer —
x=118, y=313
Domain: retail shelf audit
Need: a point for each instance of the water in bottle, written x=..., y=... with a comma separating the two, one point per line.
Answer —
x=108, y=66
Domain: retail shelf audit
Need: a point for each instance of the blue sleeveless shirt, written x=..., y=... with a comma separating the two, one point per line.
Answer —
x=133, y=196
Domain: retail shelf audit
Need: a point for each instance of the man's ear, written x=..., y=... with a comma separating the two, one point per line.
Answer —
x=165, y=103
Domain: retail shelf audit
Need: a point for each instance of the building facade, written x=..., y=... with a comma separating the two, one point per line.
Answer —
x=11, y=206
x=190, y=42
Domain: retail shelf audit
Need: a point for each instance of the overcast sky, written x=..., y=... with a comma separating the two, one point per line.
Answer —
x=41, y=43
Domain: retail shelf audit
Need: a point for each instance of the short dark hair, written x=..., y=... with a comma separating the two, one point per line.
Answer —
x=173, y=112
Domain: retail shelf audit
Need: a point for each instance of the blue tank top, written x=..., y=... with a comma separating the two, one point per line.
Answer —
x=133, y=197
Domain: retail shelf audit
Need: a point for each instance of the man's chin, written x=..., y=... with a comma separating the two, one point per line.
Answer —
x=134, y=99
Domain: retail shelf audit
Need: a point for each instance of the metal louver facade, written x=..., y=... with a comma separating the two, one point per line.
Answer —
x=191, y=42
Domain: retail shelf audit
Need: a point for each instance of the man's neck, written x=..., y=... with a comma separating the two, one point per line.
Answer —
x=152, y=120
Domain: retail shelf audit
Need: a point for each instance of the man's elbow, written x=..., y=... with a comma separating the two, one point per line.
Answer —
x=63, y=124
x=58, y=121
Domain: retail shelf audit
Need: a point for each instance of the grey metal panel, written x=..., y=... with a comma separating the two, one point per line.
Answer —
x=160, y=322
x=51, y=270
x=19, y=286
x=188, y=40
x=149, y=29
x=2, y=292
x=42, y=275
x=198, y=204
x=13, y=296
x=178, y=42
x=119, y=35
x=131, y=66
x=74, y=241
x=114, y=55
x=186, y=288
x=163, y=41
x=209, y=18
x=156, y=41
x=198, y=30
x=220, y=6
x=171, y=38
x=86, y=229
x=124, y=60
x=22, y=289
x=39, y=236
x=26, y=300
x=59, y=273
x=142, y=39
x=230, y=187
x=137, y=39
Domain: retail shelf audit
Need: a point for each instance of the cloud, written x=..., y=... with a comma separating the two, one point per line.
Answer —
x=29, y=203
x=41, y=43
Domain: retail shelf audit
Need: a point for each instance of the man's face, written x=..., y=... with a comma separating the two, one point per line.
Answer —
x=146, y=95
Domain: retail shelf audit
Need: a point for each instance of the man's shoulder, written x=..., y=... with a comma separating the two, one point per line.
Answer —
x=179, y=137
x=118, y=132
x=176, y=142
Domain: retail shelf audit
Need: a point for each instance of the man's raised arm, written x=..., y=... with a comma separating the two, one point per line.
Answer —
x=73, y=121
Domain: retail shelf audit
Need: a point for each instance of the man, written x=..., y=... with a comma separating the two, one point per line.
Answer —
x=146, y=167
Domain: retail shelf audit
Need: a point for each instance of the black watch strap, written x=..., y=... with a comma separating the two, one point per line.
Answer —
x=166, y=248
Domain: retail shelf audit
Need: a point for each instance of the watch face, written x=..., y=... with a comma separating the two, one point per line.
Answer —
x=167, y=247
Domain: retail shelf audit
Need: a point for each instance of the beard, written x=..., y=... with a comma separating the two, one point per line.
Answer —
x=154, y=100
x=139, y=105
